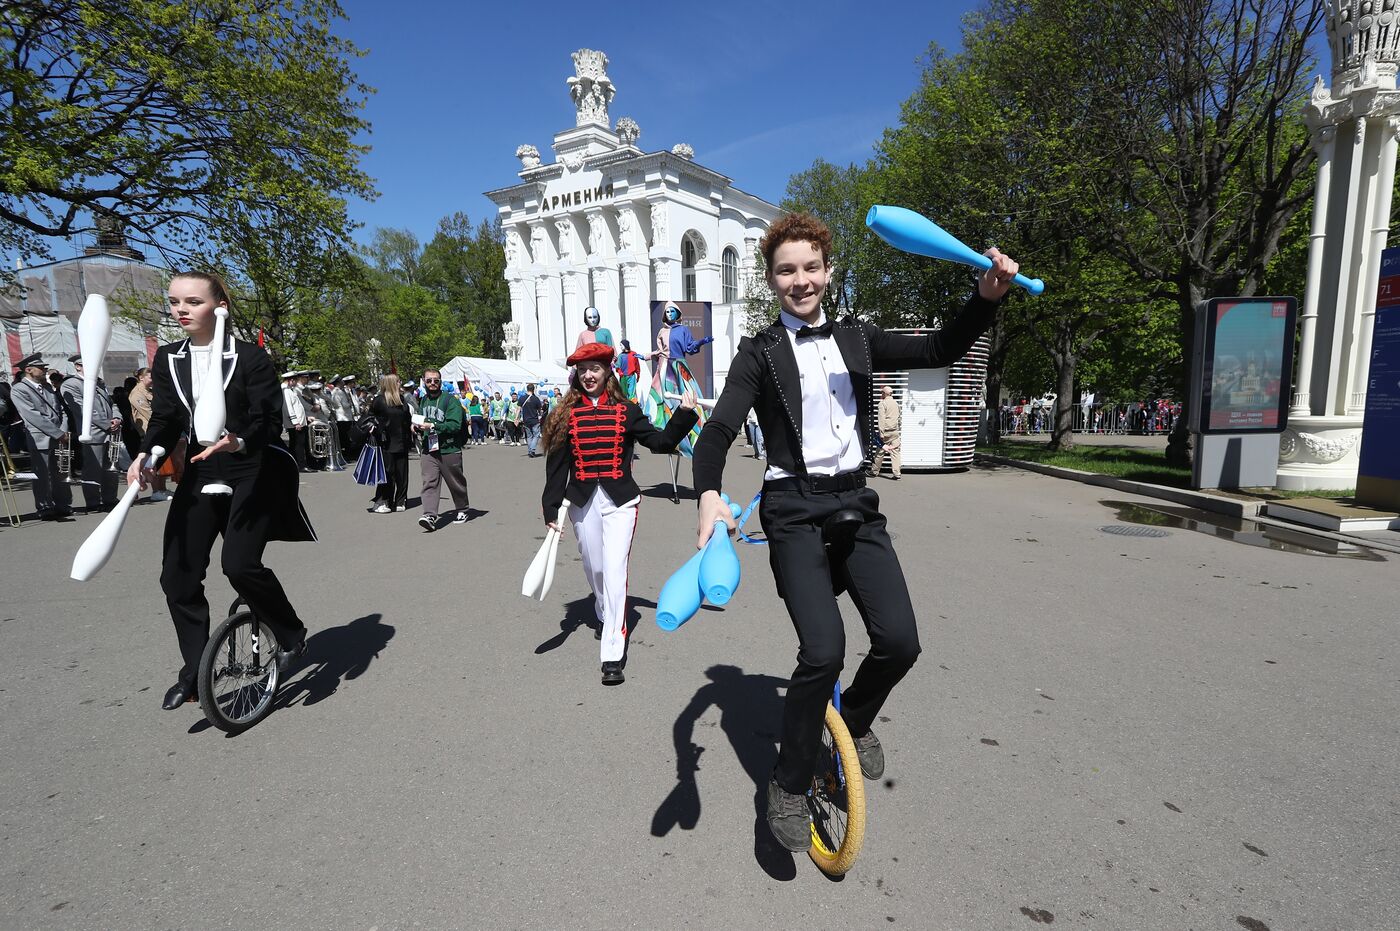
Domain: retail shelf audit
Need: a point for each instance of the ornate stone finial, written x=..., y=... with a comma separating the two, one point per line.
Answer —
x=1362, y=32
x=628, y=131
x=529, y=156
x=590, y=87
x=683, y=150
x=511, y=345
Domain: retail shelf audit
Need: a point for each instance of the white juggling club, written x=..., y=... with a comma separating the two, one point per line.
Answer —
x=94, y=335
x=210, y=411
x=707, y=403
x=98, y=547
x=541, y=570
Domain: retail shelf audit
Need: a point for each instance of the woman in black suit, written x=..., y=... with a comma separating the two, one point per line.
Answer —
x=247, y=458
x=396, y=432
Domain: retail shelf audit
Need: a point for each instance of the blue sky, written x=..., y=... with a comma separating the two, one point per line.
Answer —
x=760, y=90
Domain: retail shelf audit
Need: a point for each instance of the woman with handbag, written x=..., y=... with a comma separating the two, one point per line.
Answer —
x=394, y=420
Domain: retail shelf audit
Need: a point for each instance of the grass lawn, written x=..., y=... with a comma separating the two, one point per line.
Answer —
x=1132, y=463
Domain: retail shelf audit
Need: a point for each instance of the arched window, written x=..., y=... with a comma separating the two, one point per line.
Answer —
x=688, y=269
x=730, y=270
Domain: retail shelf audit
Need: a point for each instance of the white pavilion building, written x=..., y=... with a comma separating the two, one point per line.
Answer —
x=609, y=225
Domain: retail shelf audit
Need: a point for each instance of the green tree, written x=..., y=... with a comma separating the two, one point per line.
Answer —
x=188, y=123
x=465, y=266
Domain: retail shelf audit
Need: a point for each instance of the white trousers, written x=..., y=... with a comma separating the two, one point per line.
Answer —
x=604, y=531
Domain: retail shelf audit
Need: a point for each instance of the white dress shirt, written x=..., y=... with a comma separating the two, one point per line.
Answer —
x=296, y=411
x=830, y=444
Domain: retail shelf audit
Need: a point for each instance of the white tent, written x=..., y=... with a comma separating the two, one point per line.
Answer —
x=492, y=375
x=56, y=338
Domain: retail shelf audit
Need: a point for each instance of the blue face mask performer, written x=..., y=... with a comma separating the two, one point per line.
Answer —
x=594, y=331
x=671, y=374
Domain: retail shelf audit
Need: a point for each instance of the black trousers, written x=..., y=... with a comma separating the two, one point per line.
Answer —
x=195, y=520
x=394, y=491
x=298, y=444
x=872, y=575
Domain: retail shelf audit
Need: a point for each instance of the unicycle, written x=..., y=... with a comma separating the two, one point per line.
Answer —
x=837, y=797
x=238, y=675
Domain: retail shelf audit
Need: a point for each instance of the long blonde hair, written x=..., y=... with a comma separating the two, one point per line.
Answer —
x=389, y=387
x=556, y=425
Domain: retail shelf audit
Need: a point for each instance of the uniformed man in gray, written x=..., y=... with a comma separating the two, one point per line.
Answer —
x=46, y=428
x=99, y=481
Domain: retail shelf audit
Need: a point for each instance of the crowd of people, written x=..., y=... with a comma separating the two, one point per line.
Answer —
x=237, y=471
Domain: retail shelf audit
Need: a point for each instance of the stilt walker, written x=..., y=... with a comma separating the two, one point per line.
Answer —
x=589, y=437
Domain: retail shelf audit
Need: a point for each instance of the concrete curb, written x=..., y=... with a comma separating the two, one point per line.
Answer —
x=1232, y=507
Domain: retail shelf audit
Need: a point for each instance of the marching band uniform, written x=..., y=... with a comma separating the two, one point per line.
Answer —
x=592, y=468
x=344, y=408
x=45, y=423
x=264, y=504
x=99, y=481
x=294, y=419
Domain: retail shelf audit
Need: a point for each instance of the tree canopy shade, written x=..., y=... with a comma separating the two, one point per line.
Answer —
x=191, y=123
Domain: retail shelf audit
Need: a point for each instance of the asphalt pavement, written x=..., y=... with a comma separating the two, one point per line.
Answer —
x=1190, y=730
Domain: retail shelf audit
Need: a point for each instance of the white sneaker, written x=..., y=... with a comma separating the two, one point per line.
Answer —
x=160, y=496
x=400, y=508
x=382, y=509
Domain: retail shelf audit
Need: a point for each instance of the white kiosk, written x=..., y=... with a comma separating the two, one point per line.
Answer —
x=939, y=408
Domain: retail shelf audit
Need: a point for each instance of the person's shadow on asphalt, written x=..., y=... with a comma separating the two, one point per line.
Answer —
x=335, y=655
x=751, y=711
x=580, y=613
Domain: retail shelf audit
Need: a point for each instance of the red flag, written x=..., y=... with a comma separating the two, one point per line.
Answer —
x=262, y=341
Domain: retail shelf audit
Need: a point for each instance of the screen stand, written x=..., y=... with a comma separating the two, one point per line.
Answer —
x=1235, y=460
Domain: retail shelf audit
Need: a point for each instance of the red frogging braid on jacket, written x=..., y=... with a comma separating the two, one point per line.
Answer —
x=596, y=435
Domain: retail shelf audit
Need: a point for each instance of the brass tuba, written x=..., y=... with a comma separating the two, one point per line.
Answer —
x=320, y=440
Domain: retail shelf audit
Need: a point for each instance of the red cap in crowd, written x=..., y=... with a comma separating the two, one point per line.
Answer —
x=591, y=352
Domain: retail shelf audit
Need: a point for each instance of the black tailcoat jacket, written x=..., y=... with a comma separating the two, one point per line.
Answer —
x=764, y=377
x=253, y=399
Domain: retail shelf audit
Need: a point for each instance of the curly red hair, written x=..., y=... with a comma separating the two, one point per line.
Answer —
x=796, y=227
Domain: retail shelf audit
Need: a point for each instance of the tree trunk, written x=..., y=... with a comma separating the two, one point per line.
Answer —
x=1062, y=435
x=1179, y=441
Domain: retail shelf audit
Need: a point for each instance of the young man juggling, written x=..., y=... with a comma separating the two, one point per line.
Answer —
x=808, y=380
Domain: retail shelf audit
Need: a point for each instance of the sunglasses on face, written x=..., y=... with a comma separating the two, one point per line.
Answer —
x=432, y=381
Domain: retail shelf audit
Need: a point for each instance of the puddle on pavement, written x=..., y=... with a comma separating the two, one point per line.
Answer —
x=1239, y=530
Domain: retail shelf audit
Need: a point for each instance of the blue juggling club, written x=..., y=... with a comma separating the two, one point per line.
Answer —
x=719, y=567
x=680, y=597
x=906, y=230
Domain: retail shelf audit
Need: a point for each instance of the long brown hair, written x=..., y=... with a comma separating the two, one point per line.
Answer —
x=389, y=387
x=556, y=425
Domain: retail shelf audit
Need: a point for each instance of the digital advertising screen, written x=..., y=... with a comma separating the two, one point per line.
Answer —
x=1247, y=364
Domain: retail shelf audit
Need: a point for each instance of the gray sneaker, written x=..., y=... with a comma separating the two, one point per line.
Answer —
x=872, y=756
x=789, y=819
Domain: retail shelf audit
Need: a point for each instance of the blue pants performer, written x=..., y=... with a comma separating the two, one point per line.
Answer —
x=252, y=497
x=808, y=380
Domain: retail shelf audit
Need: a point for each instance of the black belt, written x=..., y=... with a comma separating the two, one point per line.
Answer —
x=820, y=484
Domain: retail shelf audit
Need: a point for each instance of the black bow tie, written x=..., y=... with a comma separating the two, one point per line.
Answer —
x=823, y=330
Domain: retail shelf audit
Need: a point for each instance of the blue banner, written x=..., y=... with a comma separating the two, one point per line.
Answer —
x=1380, y=437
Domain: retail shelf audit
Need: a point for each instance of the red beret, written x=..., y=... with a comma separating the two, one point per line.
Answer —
x=591, y=352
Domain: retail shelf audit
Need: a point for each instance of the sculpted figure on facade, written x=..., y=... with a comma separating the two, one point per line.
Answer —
x=566, y=238
x=627, y=230
x=590, y=87
x=513, y=247
x=595, y=235
x=659, y=236
x=537, y=242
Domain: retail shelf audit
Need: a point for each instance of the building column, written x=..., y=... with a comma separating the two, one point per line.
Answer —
x=1379, y=232
x=636, y=306
x=575, y=282
x=522, y=311
x=1325, y=142
x=1349, y=280
x=547, y=312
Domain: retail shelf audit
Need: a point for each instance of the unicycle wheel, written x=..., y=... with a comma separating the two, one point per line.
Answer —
x=238, y=674
x=837, y=800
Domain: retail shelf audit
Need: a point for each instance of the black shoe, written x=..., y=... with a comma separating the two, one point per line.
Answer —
x=789, y=819
x=286, y=659
x=872, y=756
x=179, y=694
x=598, y=631
x=612, y=674
x=427, y=523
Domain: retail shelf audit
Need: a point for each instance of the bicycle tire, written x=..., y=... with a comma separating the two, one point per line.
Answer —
x=238, y=694
x=837, y=800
